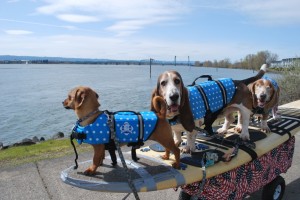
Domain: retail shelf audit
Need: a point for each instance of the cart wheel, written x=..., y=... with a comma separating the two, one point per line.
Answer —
x=274, y=190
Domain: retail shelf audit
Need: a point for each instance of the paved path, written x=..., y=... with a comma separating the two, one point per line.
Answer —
x=41, y=180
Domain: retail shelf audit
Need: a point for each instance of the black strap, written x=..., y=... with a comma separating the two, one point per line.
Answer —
x=231, y=144
x=202, y=76
x=223, y=91
x=76, y=154
x=141, y=125
x=78, y=136
x=204, y=97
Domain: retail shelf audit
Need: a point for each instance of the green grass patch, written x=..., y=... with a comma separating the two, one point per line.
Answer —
x=44, y=150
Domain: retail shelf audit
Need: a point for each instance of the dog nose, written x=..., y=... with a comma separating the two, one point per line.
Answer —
x=174, y=97
x=263, y=96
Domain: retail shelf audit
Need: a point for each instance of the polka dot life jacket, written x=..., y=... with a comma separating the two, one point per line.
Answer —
x=210, y=95
x=128, y=126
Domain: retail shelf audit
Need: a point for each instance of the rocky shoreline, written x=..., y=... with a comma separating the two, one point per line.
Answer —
x=34, y=140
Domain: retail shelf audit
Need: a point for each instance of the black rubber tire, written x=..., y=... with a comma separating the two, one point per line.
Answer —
x=274, y=190
x=184, y=196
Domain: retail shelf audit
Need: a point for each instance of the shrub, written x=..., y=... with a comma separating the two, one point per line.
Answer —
x=289, y=83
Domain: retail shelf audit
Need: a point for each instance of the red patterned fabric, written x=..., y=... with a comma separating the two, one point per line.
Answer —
x=248, y=178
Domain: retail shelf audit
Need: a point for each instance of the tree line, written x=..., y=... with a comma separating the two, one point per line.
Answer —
x=251, y=61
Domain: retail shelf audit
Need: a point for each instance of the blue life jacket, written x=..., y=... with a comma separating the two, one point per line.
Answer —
x=128, y=127
x=210, y=96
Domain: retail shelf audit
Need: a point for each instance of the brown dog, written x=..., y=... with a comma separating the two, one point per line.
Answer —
x=184, y=105
x=84, y=101
x=265, y=94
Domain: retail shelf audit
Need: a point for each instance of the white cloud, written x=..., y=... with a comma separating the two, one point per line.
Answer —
x=39, y=24
x=77, y=18
x=17, y=32
x=272, y=12
x=121, y=16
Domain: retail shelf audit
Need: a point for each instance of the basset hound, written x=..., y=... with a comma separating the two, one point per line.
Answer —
x=185, y=104
x=265, y=93
x=98, y=127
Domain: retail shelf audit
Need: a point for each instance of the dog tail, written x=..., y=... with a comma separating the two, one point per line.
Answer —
x=259, y=75
x=160, y=106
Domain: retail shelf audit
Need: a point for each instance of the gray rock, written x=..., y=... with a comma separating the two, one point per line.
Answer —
x=25, y=141
x=58, y=135
x=35, y=139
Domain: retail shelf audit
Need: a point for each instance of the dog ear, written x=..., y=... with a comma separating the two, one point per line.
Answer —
x=79, y=98
x=186, y=115
x=154, y=93
x=273, y=99
x=252, y=90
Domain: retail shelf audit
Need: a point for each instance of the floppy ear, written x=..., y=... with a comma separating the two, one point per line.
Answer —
x=79, y=98
x=154, y=93
x=273, y=99
x=186, y=115
x=252, y=90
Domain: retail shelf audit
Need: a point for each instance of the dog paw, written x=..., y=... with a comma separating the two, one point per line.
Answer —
x=238, y=128
x=277, y=117
x=89, y=172
x=136, y=159
x=266, y=129
x=184, y=149
x=176, y=165
x=245, y=136
x=165, y=157
x=222, y=131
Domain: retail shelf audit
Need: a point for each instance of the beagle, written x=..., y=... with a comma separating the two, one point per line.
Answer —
x=265, y=93
x=179, y=100
x=94, y=126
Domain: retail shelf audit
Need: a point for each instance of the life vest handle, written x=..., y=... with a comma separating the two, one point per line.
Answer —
x=209, y=78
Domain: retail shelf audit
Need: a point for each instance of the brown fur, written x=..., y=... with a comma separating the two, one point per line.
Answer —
x=84, y=100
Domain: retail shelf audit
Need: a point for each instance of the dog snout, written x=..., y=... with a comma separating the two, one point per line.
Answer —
x=65, y=105
x=174, y=97
x=262, y=96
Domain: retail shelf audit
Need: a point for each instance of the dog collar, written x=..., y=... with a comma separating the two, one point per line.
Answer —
x=87, y=116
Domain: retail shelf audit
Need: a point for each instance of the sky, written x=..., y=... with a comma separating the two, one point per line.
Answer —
x=141, y=29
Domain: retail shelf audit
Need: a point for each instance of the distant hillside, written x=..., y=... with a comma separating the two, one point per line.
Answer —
x=10, y=59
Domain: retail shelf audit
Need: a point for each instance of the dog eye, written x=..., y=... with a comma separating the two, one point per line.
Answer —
x=163, y=83
x=177, y=81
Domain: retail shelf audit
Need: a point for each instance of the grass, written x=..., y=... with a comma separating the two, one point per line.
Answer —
x=41, y=151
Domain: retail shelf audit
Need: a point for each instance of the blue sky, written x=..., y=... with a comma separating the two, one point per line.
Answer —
x=140, y=29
